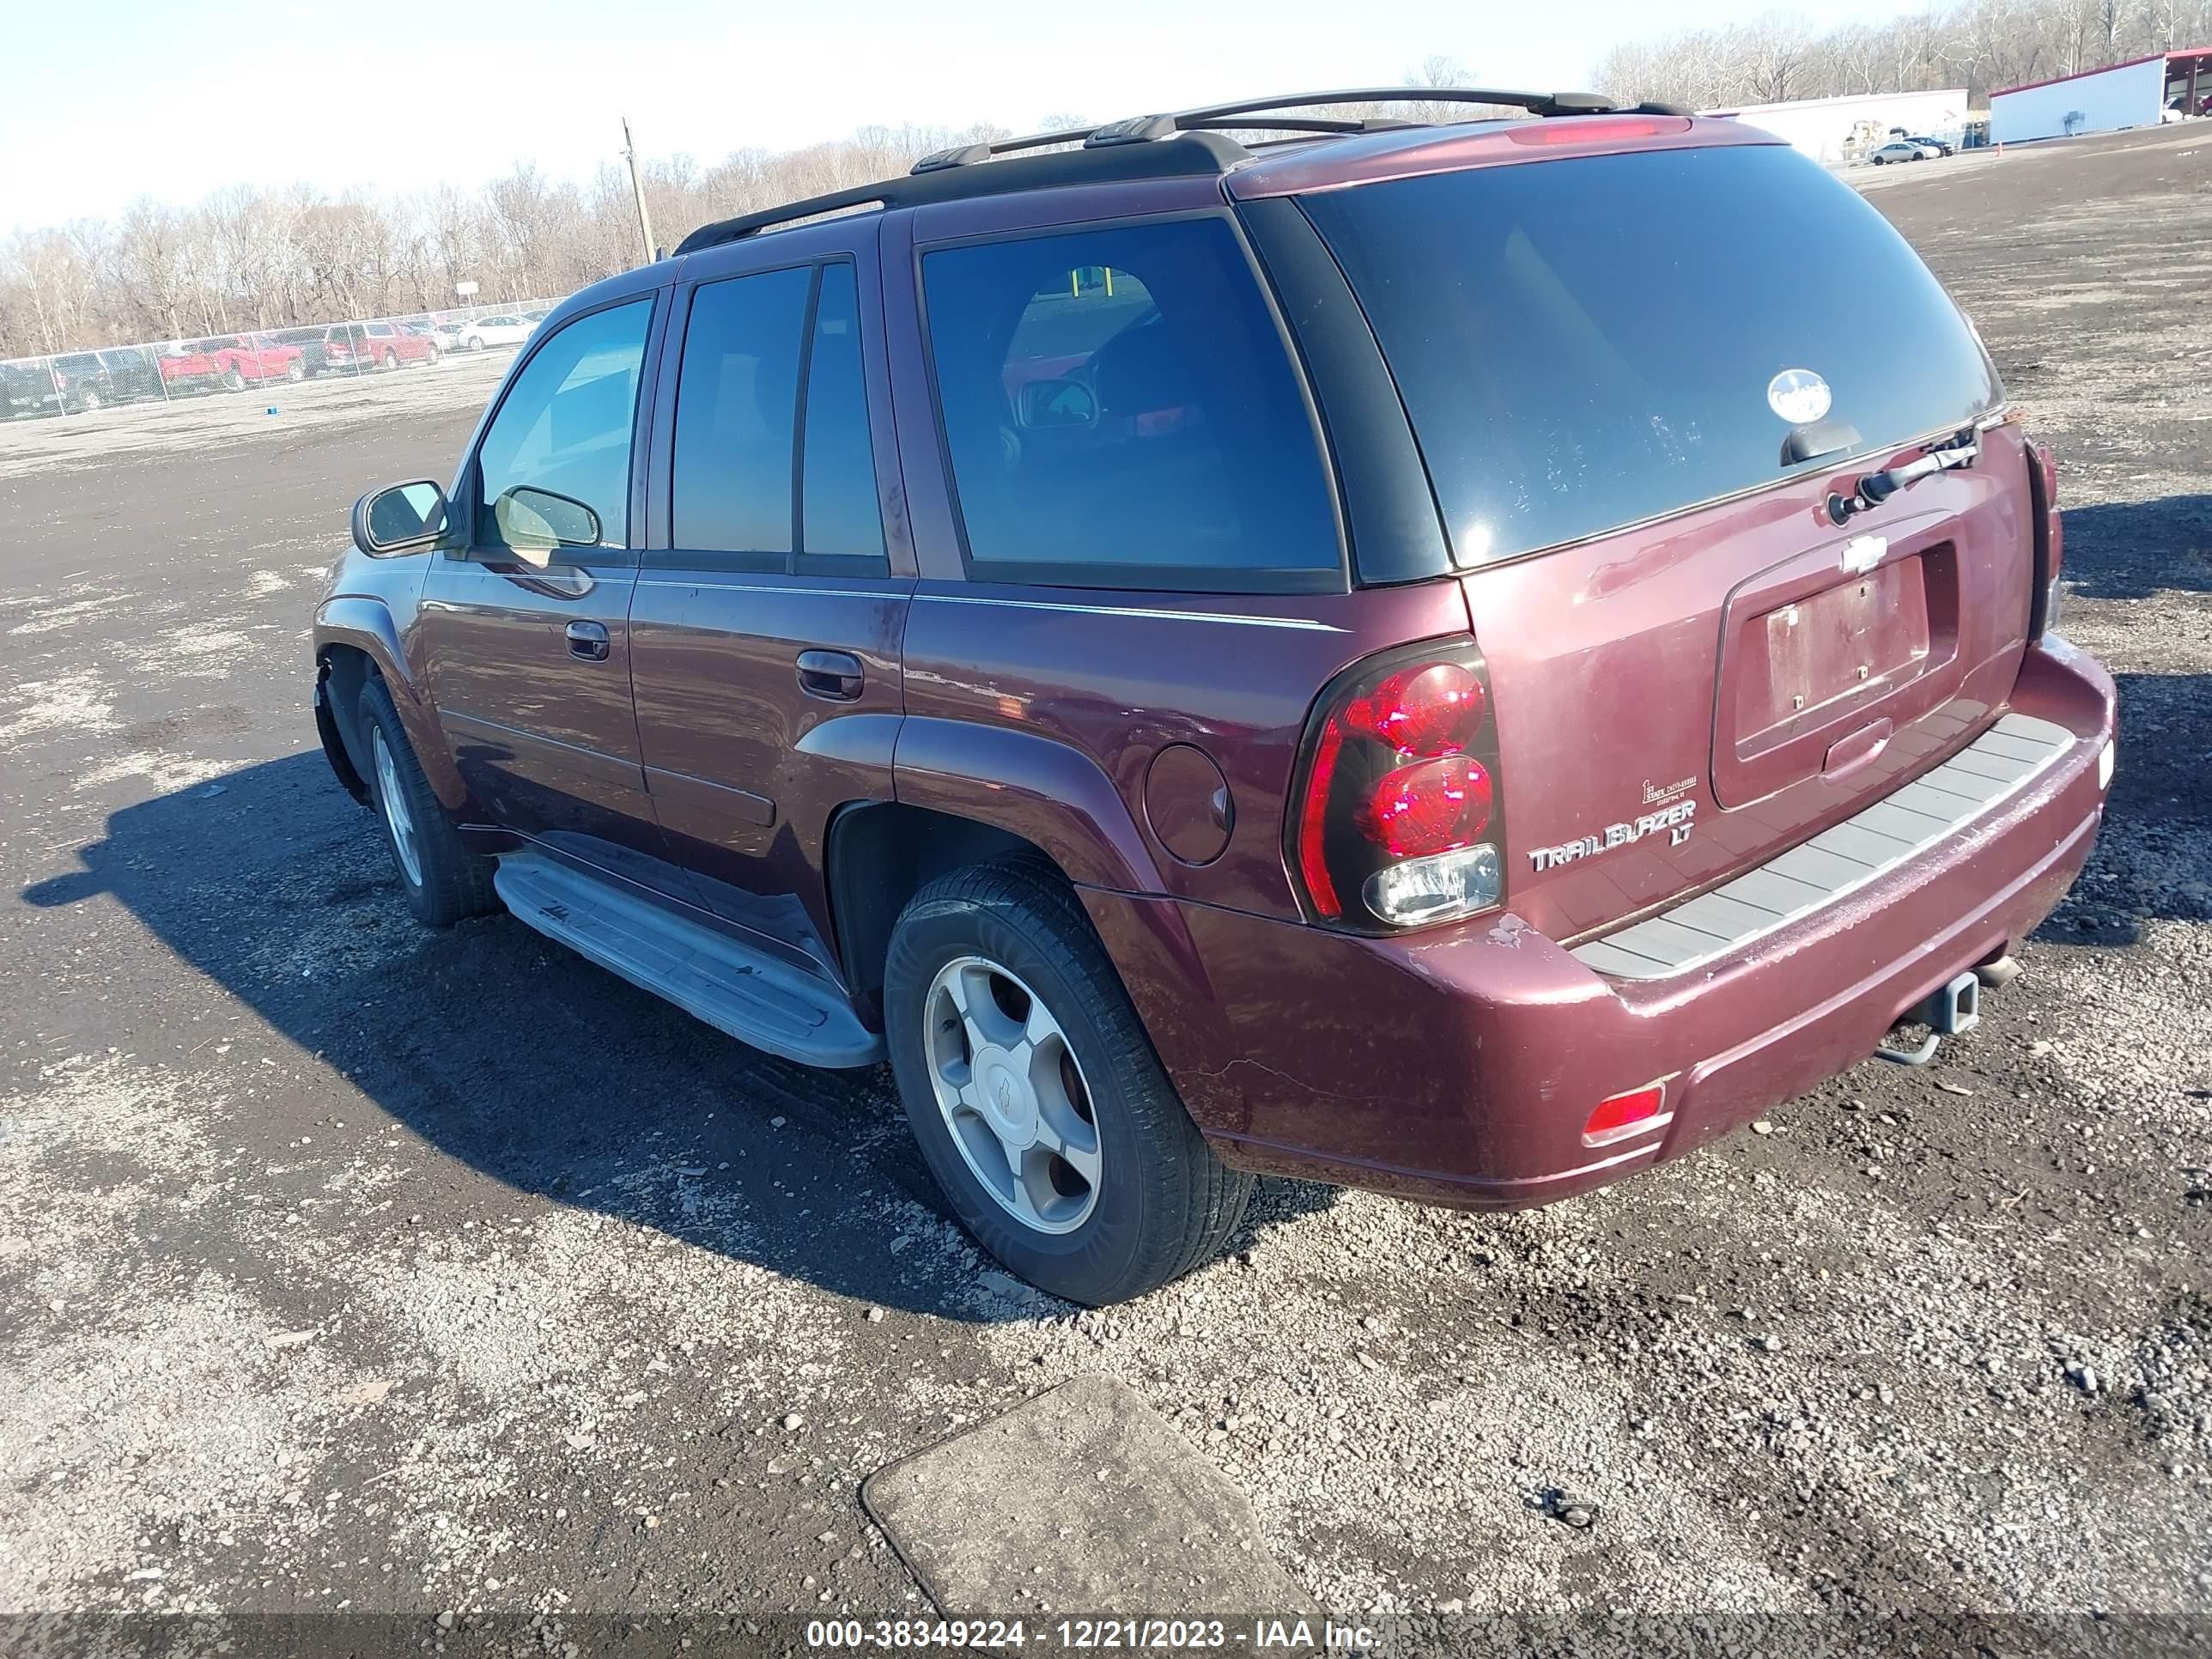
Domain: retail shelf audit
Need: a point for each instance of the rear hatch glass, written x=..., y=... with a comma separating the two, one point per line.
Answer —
x=1584, y=345
x=1650, y=369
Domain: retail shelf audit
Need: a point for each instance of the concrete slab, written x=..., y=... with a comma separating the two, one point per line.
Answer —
x=1081, y=1501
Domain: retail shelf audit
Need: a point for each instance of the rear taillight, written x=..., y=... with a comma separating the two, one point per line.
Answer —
x=1398, y=810
x=2050, y=540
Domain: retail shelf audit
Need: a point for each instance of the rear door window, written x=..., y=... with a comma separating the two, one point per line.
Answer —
x=1120, y=411
x=839, y=518
x=737, y=404
x=1584, y=345
x=773, y=466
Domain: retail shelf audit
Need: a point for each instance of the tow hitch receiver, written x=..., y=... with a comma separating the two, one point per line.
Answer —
x=1957, y=1007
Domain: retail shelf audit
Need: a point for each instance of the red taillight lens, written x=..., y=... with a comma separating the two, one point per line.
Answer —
x=1625, y=1114
x=1430, y=806
x=1434, y=708
x=1397, y=814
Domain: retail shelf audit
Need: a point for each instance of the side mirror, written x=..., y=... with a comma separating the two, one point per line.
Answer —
x=399, y=516
x=1049, y=403
x=538, y=520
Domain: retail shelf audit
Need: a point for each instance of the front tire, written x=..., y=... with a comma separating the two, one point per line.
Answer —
x=443, y=880
x=234, y=378
x=1036, y=1095
x=296, y=371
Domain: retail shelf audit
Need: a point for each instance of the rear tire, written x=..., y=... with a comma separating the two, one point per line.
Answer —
x=443, y=880
x=1002, y=1007
x=296, y=371
x=430, y=357
x=391, y=361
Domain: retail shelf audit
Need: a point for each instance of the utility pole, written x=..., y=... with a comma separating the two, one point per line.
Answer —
x=637, y=191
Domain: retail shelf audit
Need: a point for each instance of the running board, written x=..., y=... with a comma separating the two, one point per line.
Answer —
x=752, y=996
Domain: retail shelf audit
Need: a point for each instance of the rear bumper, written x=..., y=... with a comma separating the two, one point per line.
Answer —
x=1459, y=1066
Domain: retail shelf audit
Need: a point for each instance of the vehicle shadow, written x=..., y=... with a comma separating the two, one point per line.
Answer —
x=2146, y=864
x=2149, y=862
x=527, y=1063
x=2132, y=550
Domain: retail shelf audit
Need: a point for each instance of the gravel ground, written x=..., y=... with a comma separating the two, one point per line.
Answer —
x=349, y=1268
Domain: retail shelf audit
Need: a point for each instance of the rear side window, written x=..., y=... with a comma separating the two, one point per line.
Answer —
x=567, y=424
x=1582, y=344
x=1121, y=412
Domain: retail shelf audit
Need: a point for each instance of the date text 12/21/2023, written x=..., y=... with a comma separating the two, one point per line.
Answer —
x=1086, y=1635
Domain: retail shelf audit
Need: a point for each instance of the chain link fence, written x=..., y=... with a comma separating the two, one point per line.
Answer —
x=83, y=383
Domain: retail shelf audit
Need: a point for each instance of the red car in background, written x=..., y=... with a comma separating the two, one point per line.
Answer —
x=377, y=345
x=230, y=360
x=187, y=366
x=240, y=359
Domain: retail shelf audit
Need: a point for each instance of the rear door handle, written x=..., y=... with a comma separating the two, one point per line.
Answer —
x=832, y=676
x=588, y=640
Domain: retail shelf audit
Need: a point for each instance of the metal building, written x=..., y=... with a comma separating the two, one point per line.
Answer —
x=1839, y=129
x=2136, y=93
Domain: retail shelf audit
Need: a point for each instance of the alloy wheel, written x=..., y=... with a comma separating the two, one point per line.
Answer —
x=396, y=815
x=1013, y=1094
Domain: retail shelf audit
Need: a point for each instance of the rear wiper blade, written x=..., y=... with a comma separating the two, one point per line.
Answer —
x=1962, y=449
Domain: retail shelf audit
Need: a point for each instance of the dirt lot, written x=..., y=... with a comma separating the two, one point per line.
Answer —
x=350, y=1267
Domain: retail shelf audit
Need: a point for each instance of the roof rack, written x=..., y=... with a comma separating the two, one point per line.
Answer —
x=1187, y=141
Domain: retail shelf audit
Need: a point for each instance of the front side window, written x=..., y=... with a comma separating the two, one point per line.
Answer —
x=566, y=425
x=1120, y=411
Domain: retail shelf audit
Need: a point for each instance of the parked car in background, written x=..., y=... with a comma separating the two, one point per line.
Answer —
x=26, y=390
x=1899, y=149
x=1938, y=146
x=503, y=330
x=1375, y=660
x=450, y=337
x=380, y=345
x=86, y=380
x=244, y=360
x=388, y=345
x=314, y=350
x=185, y=368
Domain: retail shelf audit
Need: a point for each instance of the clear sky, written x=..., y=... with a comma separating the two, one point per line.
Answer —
x=107, y=100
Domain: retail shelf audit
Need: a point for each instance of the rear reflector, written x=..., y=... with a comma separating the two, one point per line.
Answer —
x=1625, y=1114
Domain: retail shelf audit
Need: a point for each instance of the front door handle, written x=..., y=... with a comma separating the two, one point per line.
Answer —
x=832, y=676
x=588, y=640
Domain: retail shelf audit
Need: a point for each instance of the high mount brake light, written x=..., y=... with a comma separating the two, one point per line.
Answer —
x=1397, y=822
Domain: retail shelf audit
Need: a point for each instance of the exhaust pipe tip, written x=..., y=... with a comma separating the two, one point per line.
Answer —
x=1998, y=972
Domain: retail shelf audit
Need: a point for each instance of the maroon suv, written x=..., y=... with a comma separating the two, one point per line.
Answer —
x=1459, y=661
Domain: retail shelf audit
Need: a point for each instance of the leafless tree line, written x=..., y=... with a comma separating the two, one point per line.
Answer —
x=1984, y=45
x=248, y=258
x=253, y=259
